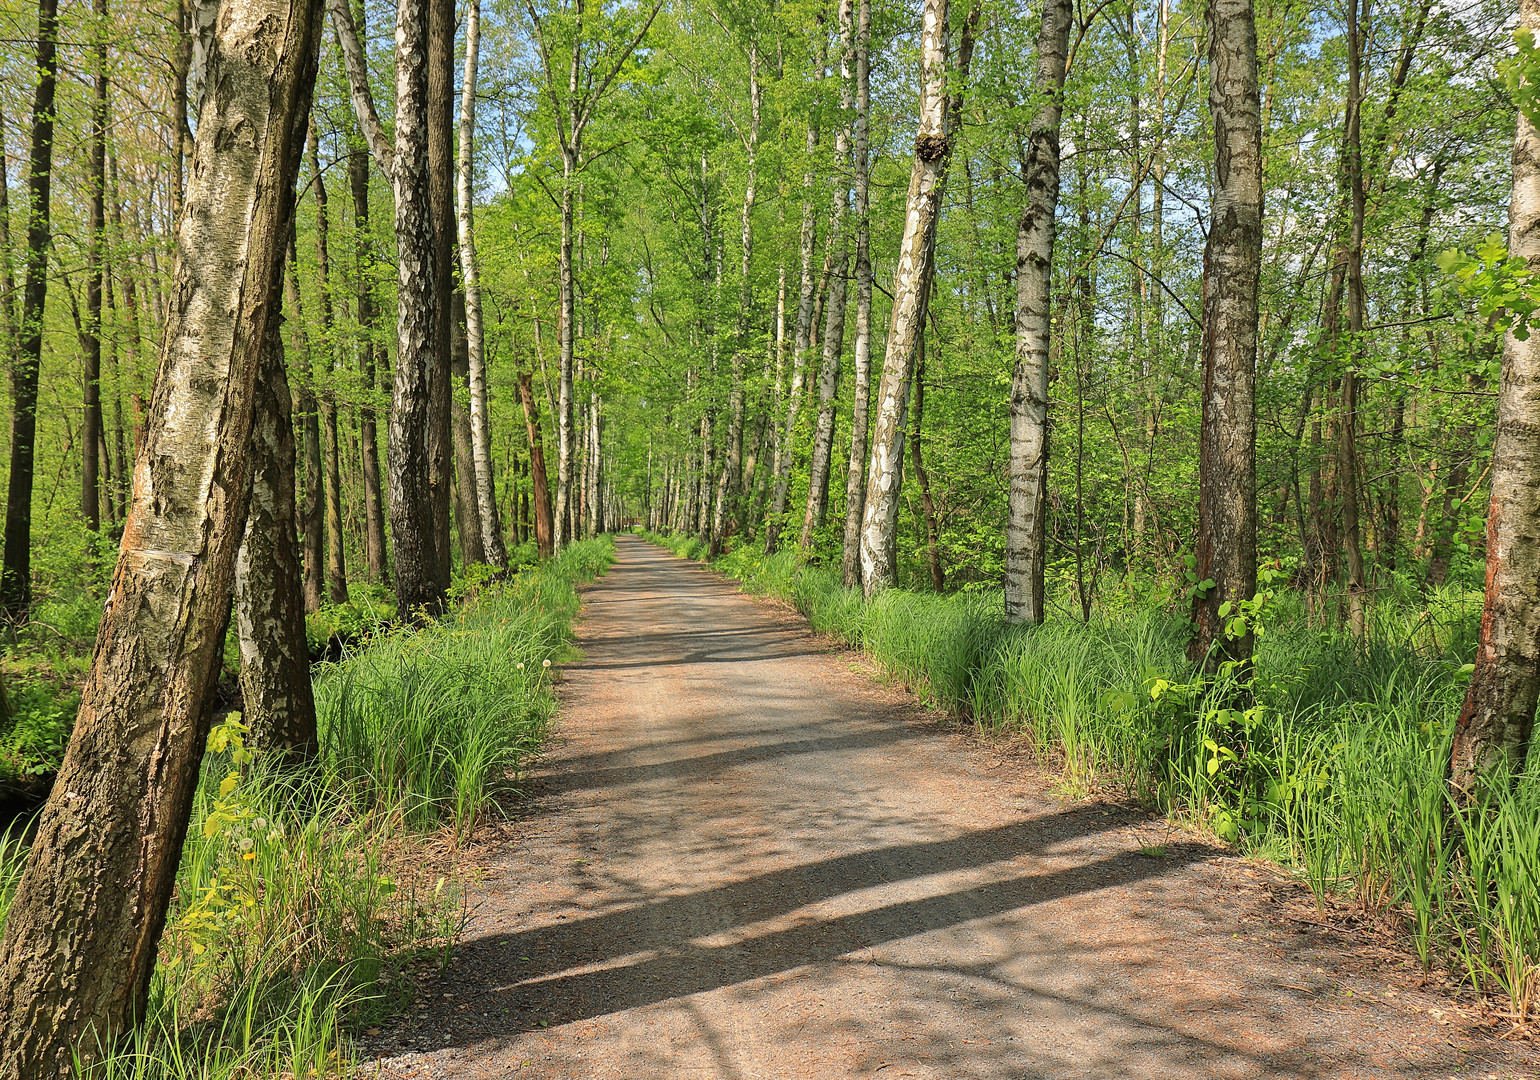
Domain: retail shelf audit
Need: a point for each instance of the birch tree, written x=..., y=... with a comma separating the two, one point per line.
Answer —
x=1026, y=536
x=80, y=939
x=470, y=277
x=405, y=162
x=911, y=287
x=1226, y=566
x=1497, y=720
x=860, y=414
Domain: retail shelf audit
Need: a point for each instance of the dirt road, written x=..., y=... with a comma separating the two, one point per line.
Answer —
x=746, y=860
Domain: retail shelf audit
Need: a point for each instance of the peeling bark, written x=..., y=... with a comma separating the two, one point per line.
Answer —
x=1497, y=720
x=80, y=941
x=1026, y=536
x=911, y=288
x=1227, y=490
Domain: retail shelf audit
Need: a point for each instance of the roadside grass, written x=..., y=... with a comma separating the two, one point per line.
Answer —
x=308, y=902
x=1338, y=773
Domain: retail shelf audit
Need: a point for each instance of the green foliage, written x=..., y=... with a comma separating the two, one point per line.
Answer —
x=1504, y=287
x=33, y=740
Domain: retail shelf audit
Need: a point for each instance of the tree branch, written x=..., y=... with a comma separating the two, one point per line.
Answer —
x=358, y=83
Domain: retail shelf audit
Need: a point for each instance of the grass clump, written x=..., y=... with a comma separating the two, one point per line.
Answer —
x=308, y=902
x=1331, y=759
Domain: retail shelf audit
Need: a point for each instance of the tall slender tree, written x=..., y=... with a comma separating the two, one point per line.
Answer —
x=911, y=292
x=1226, y=567
x=16, y=572
x=1026, y=536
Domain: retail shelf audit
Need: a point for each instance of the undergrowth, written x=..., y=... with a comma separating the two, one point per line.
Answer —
x=307, y=902
x=1337, y=770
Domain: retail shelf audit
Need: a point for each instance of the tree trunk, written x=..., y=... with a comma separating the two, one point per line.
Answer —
x=728, y=488
x=277, y=700
x=911, y=288
x=80, y=940
x=1026, y=534
x=441, y=199
x=1498, y=718
x=801, y=342
x=313, y=507
x=470, y=276
x=1227, y=490
x=336, y=560
x=467, y=500
x=1348, y=429
x=16, y=574
x=828, y=384
x=371, y=353
x=860, y=413
x=92, y=442
x=544, y=526
x=927, y=504
x=564, y=338
x=412, y=507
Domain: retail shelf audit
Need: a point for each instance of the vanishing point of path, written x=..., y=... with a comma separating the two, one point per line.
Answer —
x=745, y=860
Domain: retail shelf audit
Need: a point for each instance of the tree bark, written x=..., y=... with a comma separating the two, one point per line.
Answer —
x=313, y=505
x=911, y=288
x=336, y=559
x=441, y=199
x=470, y=277
x=80, y=940
x=1227, y=490
x=16, y=572
x=411, y=504
x=860, y=412
x=277, y=700
x=544, y=526
x=927, y=504
x=92, y=442
x=371, y=353
x=1026, y=534
x=467, y=500
x=801, y=342
x=1497, y=719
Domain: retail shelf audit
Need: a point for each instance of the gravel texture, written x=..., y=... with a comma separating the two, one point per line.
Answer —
x=744, y=858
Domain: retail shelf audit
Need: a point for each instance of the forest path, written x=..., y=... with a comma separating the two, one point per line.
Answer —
x=744, y=859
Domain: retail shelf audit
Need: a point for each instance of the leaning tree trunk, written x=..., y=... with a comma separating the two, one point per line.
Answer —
x=470, y=277
x=277, y=700
x=911, y=287
x=1026, y=533
x=80, y=940
x=860, y=415
x=1498, y=718
x=1227, y=488
x=539, y=483
x=16, y=572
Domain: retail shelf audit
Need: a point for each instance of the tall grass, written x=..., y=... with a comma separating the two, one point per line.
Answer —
x=1338, y=773
x=305, y=901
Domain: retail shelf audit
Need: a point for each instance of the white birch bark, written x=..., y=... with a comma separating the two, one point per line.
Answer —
x=1027, y=510
x=470, y=277
x=911, y=285
x=81, y=936
x=860, y=419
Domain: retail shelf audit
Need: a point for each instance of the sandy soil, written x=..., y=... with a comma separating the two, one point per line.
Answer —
x=745, y=859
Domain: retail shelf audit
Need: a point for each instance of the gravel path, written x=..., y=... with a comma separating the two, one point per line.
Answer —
x=744, y=859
